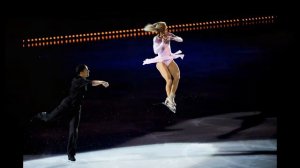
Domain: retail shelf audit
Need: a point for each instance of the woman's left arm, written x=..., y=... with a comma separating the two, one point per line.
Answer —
x=176, y=38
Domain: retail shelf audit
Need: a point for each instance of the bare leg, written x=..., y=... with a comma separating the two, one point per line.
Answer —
x=175, y=72
x=163, y=69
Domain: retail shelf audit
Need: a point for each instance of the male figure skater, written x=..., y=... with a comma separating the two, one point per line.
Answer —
x=71, y=106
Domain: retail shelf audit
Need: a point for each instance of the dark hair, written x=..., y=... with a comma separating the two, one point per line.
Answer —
x=80, y=68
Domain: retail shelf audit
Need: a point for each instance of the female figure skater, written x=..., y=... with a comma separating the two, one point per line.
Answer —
x=164, y=60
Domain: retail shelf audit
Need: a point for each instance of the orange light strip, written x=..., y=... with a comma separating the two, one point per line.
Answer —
x=137, y=32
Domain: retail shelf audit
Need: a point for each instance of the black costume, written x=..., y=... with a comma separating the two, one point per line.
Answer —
x=70, y=107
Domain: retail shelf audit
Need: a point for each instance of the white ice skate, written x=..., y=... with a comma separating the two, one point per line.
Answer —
x=170, y=105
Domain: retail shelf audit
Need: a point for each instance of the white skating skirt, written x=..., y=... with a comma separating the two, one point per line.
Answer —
x=160, y=58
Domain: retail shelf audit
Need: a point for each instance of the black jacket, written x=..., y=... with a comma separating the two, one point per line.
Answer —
x=77, y=91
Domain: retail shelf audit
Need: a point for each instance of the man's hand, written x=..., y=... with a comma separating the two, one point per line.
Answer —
x=105, y=84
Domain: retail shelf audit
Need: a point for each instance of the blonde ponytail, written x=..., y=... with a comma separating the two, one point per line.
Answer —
x=150, y=27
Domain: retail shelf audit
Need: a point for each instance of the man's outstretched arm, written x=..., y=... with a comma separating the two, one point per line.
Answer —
x=100, y=82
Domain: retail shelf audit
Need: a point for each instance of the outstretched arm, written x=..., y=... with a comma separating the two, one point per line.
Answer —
x=100, y=82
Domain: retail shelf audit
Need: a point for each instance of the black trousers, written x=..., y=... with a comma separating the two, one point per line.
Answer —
x=72, y=113
x=73, y=131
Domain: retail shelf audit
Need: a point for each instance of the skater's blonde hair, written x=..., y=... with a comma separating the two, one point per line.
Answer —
x=157, y=27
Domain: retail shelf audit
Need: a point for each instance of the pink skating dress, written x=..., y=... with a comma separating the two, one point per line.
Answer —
x=163, y=50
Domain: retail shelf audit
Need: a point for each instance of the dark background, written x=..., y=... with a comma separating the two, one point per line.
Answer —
x=224, y=70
